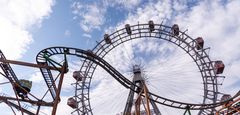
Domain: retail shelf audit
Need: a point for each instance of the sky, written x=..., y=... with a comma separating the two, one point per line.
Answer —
x=28, y=26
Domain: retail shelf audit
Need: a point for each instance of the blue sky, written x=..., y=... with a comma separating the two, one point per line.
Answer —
x=28, y=26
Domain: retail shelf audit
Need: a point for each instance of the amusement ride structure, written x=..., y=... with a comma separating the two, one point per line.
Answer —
x=141, y=100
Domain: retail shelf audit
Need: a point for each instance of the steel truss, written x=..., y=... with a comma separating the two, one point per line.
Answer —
x=231, y=107
x=157, y=31
x=94, y=57
x=127, y=83
x=106, y=66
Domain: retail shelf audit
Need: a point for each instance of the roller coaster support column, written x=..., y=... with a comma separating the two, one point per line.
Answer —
x=57, y=99
x=63, y=71
x=147, y=98
x=187, y=110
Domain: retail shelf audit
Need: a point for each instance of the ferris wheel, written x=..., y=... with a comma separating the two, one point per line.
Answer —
x=208, y=71
x=145, y=69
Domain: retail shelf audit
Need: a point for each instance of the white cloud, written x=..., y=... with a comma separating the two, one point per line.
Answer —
x=87, y=35
x=36, y=77
x=16, y=17
x=91, y=15
x=125, y=4
x=219, y=25
x=67, y=33
x=158, y=12
x=205, y=19
x=14, y=40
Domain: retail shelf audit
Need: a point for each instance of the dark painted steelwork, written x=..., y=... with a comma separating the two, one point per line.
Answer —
x=7, y=69
x=138, y=80
x=128, y=29
x=171, y=34
x=231, y=107
x=18, y=107
x=93, y=58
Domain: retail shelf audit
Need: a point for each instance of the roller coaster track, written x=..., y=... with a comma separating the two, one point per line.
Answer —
x=11, y=76
x=8, y=71
x=95, y=57
x=119, y=77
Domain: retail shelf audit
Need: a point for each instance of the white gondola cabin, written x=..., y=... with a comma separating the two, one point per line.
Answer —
x=72, y=103
x=218, y=67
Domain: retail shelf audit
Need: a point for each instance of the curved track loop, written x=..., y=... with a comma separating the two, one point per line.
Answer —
x=93, y=58
x=188, y=44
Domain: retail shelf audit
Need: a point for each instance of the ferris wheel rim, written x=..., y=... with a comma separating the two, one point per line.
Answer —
x=102, y=43
x=85, y=54
x=91, y=56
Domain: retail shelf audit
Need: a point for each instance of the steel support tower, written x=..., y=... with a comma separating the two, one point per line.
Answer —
x=141, y=88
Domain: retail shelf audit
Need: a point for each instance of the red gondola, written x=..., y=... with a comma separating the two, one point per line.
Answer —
x=72, y=103
x=77, y=75
x=175, y=30
x=107, y=39
x=218, y=67
x=128, y=29
x=199, y=43
x=226, y=97
x=151, y=25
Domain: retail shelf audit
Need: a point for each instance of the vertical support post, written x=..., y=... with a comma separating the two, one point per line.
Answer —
x=142, y=96
x=57, y=99
x=21, y=109
x=187, y=110
x=137, y=105
x=129, y=104
x=38, y=109
x=147, y=98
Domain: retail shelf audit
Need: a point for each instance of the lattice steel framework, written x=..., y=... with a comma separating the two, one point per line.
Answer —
x=90, y=56
x=159, y=31
x=94, y=57
x=106, y=66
